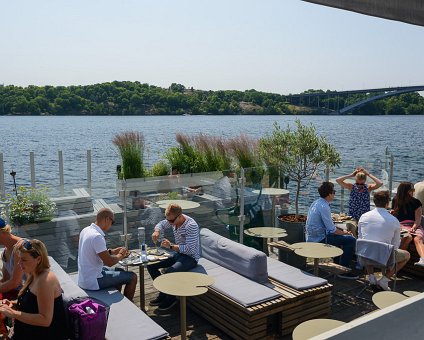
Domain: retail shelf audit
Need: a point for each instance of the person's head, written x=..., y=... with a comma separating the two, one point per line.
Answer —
x=105, y=219
x=381, y=198
x=33, y=258
x=326, y=190
x=405, y=191
x=173, y=213
x=4, y=227
x=360, y=178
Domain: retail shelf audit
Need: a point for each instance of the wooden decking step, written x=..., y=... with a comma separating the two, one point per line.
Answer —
x=333, y=268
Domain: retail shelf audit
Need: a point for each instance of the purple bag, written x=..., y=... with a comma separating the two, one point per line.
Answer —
x=88, y=320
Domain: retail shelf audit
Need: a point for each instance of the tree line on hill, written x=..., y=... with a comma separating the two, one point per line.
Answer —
x=135, y=98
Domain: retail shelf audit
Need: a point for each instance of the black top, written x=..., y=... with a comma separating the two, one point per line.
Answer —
x=409, y=214
x=27, y=303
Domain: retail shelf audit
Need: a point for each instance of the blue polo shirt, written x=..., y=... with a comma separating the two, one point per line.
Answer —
x=319, y=222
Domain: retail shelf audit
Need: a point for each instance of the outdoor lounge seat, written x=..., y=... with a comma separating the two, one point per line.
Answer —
x=244, y=301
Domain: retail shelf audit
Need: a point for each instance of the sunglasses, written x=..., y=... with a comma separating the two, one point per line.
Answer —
x=172, y=221
x=113, y=221
x=27, y=245
x=334, y=192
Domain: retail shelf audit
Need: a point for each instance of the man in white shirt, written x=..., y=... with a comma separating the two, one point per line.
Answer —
x=93, y=255
x=379, y=225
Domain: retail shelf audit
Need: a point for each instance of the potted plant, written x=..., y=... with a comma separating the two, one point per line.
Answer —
x=30, y=205
x=302, y=153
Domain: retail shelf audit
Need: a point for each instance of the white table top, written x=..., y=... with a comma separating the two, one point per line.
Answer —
x=184, y=204
x=271, y=191
x=183, y=283
x=311, y=328
x=387, y=298
x=266, y=232
x=316, y=250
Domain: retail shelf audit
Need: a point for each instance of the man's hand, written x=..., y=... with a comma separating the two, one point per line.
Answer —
x=155, y=236
x=165, y=243
x=123, y=252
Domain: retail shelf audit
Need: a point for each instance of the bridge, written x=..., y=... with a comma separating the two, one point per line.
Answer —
x=333, y=97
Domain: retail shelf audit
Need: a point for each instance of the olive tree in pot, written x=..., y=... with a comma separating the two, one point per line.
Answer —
x=303, y=152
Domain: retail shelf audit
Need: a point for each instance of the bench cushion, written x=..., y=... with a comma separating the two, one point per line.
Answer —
x=234, y=286
x=291, y=276
x=234, y=256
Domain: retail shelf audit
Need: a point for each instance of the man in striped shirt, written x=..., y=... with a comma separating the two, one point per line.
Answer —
x=187, y=248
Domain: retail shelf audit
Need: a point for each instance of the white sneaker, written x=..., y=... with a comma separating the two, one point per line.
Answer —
x=372, y=280
x=420, y=262
x=384, y=283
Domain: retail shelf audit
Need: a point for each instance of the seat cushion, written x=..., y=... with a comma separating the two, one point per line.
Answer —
x=234, y=256
x=293, y=277
x=234, y=286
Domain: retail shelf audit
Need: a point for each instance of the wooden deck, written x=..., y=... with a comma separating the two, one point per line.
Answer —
x=345, y=306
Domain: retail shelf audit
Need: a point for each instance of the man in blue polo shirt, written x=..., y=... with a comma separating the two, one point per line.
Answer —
x=320, y=227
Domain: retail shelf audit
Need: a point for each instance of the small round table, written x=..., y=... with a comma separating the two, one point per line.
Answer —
x=316, y=251
x=265, y=233
x=183, y=284
x=184, y=204
x=311, y=328
x=411, y=293
x=387, y=298
x=272, y=192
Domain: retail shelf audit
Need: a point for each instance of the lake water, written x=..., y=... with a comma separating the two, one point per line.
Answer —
x=360, y=140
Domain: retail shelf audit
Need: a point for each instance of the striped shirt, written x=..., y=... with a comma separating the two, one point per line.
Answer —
x=186, y=236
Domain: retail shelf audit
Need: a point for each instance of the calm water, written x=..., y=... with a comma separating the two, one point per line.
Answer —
x=360, y=140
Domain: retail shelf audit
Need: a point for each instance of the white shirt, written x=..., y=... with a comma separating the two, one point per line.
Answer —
x=379, y=225
x=91, y=243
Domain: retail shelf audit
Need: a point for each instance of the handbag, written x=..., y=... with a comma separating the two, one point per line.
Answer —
x=88, y=320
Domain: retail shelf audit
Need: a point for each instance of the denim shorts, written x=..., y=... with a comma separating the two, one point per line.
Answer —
x=114, y=277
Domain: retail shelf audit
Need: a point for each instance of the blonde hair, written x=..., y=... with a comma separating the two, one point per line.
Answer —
x=173, y=209
x=38, y=249
x=361, y=176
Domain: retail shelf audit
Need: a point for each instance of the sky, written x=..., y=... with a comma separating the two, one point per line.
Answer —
x=281, y=46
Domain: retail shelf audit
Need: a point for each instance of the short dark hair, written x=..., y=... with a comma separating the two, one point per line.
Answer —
x=381, y=198
x=325, y=189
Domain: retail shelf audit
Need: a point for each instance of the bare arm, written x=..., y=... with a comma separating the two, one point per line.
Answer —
x=377, y=183
x=111, y=259
x=418, y=214
x=15, y=280
x=343, y=184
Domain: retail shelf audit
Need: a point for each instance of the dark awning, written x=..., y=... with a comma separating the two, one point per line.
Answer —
x=409, y=11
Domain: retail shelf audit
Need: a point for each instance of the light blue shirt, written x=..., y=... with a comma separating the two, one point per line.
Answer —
x=319, y=222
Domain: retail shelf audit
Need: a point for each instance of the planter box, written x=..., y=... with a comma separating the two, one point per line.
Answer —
x=295, y=233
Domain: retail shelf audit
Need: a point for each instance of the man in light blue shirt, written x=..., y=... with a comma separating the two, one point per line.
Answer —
x=320, y=227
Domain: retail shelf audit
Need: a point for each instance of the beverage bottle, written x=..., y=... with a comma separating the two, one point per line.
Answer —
x=142, y=244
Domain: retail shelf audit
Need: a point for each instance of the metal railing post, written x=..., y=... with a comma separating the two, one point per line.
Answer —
x=61, y=177
x=2, y=189
x=89, y=171
x=241, y=216
x=391, y=175
x=327, y=173
x=124, y=198
x=32, y=166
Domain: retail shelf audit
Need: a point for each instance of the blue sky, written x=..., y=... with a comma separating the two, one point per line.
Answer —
x=282, y=46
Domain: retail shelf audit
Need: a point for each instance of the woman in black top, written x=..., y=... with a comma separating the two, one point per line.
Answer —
x=39, y=311
x=408, y=211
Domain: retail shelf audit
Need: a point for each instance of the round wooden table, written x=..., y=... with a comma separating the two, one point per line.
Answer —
x=265, y=233
x=387, y=298
x=184, y=204
x=272, y=192
x=411, y=293
x=311, y=328
x=183, y=284
x=316, y=251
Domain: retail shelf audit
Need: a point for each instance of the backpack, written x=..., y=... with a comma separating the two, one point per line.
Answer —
x=88, y=319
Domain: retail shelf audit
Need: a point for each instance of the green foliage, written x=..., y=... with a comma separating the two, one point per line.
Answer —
x=160, y=168
x=30, y=206
x=131, y=148
x=273, y=148
x=302, y=153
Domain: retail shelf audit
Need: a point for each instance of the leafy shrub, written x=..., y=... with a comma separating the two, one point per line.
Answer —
x=160, y=168
x=30, y=206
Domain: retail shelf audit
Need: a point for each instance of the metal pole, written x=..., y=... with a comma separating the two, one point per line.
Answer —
x=89, y=171
x=32, y=165
x=2, y=190
x=124, y=186
x=241, y=216
x=391, y=175
x=327, y=173
x=61, y=177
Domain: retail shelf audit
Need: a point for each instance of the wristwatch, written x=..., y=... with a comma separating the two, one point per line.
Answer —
x=110, y=251
x=171, y=245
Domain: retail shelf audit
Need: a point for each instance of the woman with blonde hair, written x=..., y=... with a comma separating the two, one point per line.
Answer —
x=408, y=210
x=359, y=200
x=38, y=312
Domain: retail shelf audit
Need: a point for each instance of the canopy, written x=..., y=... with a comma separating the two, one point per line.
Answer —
x=409, y=11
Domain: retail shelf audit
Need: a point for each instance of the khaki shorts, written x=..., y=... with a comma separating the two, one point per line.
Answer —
x=401, y=255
